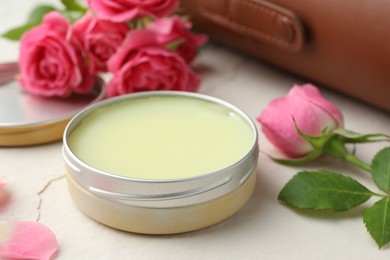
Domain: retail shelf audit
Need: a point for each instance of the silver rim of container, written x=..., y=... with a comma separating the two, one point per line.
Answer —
x=160, y=193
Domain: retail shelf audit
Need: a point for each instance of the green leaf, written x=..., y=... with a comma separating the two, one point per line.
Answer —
x=299, y=161
x=73, y=5
x=380, y=168
x=71, y=16
x=16, y=33
x=323, y=190
x=37, y=14
x=377, y=221
x=173, y=45
x=352, y=137
x=34, y=19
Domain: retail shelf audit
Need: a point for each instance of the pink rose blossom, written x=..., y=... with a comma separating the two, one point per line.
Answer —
x=171, y=29
x=127, y=10
x=99, y=39
x=26, y=240
x=50, y=64
x=142, y=64
x=312, y=114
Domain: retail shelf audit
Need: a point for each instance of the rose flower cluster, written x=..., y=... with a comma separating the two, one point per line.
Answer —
x=141, y=43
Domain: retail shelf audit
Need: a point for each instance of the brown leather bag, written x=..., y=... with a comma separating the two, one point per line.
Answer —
x=344, y=45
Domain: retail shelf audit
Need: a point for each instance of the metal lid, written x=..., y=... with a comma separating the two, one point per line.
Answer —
x=27, y=119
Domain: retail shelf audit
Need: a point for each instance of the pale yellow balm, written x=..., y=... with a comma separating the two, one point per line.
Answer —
x=162, y=137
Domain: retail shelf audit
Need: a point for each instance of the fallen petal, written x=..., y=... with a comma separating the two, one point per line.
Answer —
x=26, y=240
x=4, y=195
x=2, y=182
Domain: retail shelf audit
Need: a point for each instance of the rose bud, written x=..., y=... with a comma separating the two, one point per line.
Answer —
x=311, y=113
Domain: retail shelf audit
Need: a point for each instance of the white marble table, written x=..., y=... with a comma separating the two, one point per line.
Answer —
x=263, y=229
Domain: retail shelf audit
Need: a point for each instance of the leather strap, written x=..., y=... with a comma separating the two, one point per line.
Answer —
x=257, y=19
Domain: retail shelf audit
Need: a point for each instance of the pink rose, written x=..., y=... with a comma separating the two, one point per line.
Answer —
x=99, y=39
x=312, y=114
x=127, y=10
x=142, y=64
x=173, y=29
x=50, y=63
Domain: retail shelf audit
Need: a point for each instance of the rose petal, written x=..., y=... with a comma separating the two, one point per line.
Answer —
x=171, y=29
x=127, y=10
x=99, y=39
x=4, y=195
x=2, y=182
x=313, y=95
x=26, y=240
x=134, y=40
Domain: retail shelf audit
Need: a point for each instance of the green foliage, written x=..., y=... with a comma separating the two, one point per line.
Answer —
x=352, y=137
x=299, y=161
x=16, y=33
x=34, y=19
x=73, y=5
x=173, y=45
x=334, y=147
x=71, y=16
x=37, y=14
x=323, y=190
x=377, y=221
x=380, y=168
x=326, y=190
x=73, y=10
